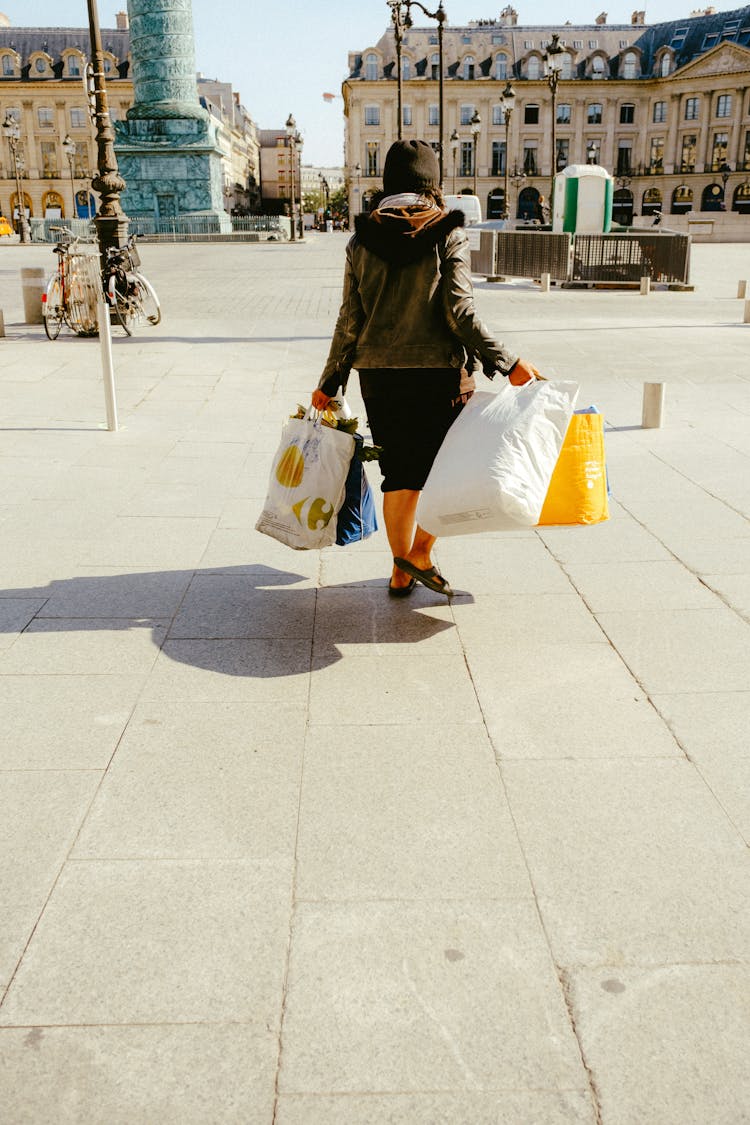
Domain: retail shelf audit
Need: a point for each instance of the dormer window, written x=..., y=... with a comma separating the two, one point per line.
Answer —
x=501, y=68
x=371, y=67
x=8, y=66
x=533, y=68
x=665, y=66
x=469, y=68
x=40, y=65
x=74, y=66
x=629, y=65
x=598, y=67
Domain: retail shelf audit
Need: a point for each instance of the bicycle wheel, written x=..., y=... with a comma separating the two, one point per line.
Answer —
x=122, y=305
x=54, y=309
x=150, y=309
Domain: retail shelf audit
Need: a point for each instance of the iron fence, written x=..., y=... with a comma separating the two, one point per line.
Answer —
x=626, y=258
x=180, y=228
x=532, y=253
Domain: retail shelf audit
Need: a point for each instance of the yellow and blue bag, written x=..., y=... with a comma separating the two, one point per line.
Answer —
x=578, y=489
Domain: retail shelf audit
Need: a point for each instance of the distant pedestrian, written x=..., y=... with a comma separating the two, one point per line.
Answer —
x=408, y=325
x=657, y=219
x=542, y=211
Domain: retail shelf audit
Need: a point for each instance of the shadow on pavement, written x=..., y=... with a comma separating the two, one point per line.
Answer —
x=236, y=621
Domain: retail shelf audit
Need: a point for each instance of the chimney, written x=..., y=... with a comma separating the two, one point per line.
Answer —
x=601, y=19
x=509, y=17
x=638, y=19
x=123, y=23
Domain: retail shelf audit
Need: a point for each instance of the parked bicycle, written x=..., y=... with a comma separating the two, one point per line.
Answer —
x=130, y=294
x=71, y=294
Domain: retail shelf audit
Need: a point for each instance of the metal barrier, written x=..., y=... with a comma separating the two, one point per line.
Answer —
x=47, y=230
x=180, y=228
x=626, y=258
x=532, y=253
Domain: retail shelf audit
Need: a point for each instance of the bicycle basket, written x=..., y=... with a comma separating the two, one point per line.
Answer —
x=135, y=258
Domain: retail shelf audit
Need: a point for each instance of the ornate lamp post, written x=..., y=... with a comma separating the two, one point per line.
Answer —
x=725, y=174
x=454, y=142
x=402, y=21
x=111, y=221
x=69, y=148
x=295, y=141
x=518, y=179
x=12, y=131
x=591, y=153
x=553, y=60
x=358, y=176
x=327, y=196
x=508, y=102
x=476, y=128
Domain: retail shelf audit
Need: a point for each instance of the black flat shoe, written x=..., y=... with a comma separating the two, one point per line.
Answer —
x=429, y=578
x=402, y=591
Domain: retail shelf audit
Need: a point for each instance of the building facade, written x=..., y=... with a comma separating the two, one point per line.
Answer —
x=665, y=109
x=42, y=89
x=280, y=170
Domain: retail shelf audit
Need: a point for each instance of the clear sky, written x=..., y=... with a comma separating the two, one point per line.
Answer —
x=284, y=55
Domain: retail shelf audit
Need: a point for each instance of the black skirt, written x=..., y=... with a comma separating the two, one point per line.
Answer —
x=409, y=411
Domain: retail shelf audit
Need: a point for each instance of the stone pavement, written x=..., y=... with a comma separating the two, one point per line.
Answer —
x=276, y=849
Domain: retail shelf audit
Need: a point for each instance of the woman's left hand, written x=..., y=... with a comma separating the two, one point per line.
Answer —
x=320, y=400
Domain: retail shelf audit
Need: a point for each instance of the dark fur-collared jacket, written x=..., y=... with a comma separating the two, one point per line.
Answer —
x=408, y=299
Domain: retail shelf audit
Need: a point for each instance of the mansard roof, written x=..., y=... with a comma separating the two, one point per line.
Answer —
x=53, y=41
x=695, y=35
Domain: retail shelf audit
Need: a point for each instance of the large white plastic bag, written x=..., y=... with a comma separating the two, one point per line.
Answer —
x=307, y=483
x=493, y=469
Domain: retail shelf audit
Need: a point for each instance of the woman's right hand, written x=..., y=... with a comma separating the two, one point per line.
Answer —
x=320, y=400
x=522, y=373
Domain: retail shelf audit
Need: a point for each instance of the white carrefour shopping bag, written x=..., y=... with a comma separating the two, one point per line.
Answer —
x=307, y=484
x=493, y=469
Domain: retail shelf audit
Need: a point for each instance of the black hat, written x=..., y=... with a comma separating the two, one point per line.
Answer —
x=410, y=166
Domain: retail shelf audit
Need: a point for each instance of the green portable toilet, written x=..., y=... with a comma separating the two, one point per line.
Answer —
x=583, y=200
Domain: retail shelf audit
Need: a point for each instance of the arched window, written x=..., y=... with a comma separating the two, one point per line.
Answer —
x=712, y=198
x=52, y=205
x=566, y=70
x=651, y=201
x=405, y=67
x=501, y=67
x=598, y=67
x=9, y=66
x=435, y=67
x=741, y=199
x=371, y=67
x=629, y=65
x=74, y=66
x=682, y=199
x=469, y=68
x=666, y=64
x=533, y=67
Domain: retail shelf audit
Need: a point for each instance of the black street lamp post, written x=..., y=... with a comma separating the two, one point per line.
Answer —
x=508, y=102
x=553, y=61
x=12, y=131
x=518, y=180
x=69, y=148
x=476, y=127
x=327, y=197
x=454, y=142
x=591, y=153
x=111, y=221
x=402, y=21
x=295, y=142
x=726, y=171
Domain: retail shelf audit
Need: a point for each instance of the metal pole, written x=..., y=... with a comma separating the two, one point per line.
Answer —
x=476, y=149
x=111, y=221
x=108, y=370
x=506, y=208
x=72, y=189
x=440, y=16
x=23, y=224
x=292, y=148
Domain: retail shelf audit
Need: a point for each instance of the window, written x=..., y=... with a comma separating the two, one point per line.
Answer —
x=467, y=158
x=406, y=67
x=746, y=160
x=469, y=68
x=466, y=39
x=406, y=115
x=15, y=114
x=81, y=160
x=433, y=115
x=435, y=67
x=624, y=158
x=8, y=65
x=372, y=158
x=531, y=115
x=371, y=67
x=563, y=114
x=624, y=43
x=45, y=117
x=432, y=40
x=719, y=151
x=533, y=68
x=629, y=65
x=594, y=114
x=656, y=159
x=49, y=158
x=467, y=112
x=627, y=114
x=498, y=117
x=724, y=105
x=566, y=70
x=687, y=156
x=530, y=162
x=593, y=44
x=598, y=66
x=77, y=118
x=563, y=153
x=730, y=28
x=40, y=65
x=528, y=44
x=678, y=38
x=691, y=109
x=372, y=115
x=498, y=158
x=501, y=68
x=498, y=39
x=710, y=41
x=74, y=66
x=660, y=111
x=108, y=66
x=666, y=65
x=578, y=44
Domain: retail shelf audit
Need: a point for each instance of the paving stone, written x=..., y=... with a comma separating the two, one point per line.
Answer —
x=533, y=1107
x=151, y=543
x=708, y=725
x=510, y=619
x=667, y=1044
x=15, y=615
x=613, y=541
x=231, y=606
x=367, y=621
x=406, y=997
x=640, y=585
x=142, y=942
x=419, y=813
x=214, y=671
x=631, y=862
x=104, y=592
x=60, y=646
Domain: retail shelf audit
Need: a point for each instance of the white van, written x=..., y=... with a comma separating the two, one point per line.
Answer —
x=472, y=210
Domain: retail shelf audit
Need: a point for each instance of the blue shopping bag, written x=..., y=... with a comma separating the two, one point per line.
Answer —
x=356, y=518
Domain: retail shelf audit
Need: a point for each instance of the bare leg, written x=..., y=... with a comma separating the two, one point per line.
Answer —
x=406, y=539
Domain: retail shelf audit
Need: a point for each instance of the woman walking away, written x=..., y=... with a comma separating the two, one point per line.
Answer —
x=408, y=325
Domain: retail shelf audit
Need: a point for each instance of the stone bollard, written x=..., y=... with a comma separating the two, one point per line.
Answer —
x=653, y=406
x=645, y=288
x=2, y=323
x=32, y=283
x=742, y=289
x=545, y=282
x=746, y=318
